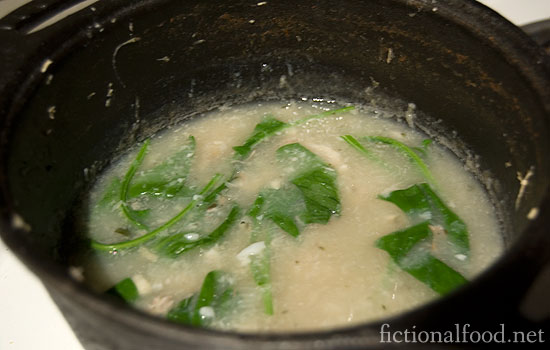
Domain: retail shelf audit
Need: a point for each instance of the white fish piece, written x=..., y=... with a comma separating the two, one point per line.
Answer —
x=253, y=249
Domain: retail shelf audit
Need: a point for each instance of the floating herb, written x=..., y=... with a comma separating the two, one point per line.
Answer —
x=311, y=196
x=126, y=290
x=420, y=202
x=282, y=206
x=134, y=216
x=262, y=131
x=422, y=265
x=267, y=127
x=152, y=234
x=260, y=263
x=353, y=142
x=316, y=181
x=179, y=243
x=213, y=300
x=167, y=178
x=111, y=193
x=409, y=152
x=321, y=115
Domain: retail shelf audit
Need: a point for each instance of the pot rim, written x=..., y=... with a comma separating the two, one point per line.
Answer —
x=492, y=29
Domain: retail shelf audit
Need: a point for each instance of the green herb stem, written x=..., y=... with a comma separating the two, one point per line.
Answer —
x=408, y=152
x=320, y=115
x=150, y=235
x=126, y=210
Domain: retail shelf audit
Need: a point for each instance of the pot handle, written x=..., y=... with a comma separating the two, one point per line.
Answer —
x=31, y=15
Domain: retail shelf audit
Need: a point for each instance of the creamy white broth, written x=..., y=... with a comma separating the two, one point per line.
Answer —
x=331, y=275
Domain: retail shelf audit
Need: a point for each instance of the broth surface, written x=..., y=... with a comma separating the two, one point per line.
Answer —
x=330, y=275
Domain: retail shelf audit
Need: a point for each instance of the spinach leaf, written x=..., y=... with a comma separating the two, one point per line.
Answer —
x=409, y=152
x=111, y=193
x=420, y=202
x=353, y=142
x=316, y=181
x=177, y=244
x=266, y=128
x=126, y=290
x=312, y=195
x=167, y=178
x=213, y=300
x=152, y=234
x=260, y=266
x=420, y=264
x=282, y=206
x=262, y=131
x=260, y=263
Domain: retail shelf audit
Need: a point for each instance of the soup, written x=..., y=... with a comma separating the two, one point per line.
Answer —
x=287, y=216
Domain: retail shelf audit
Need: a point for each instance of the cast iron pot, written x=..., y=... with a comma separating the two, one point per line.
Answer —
x=118, y=71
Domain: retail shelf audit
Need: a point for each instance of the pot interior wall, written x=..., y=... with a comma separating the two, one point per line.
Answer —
x=163, y=62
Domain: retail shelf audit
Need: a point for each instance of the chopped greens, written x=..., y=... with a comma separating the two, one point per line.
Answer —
x=281, y=206
x=262, y=131
x=260, y=264
x=179, y=243
x=126, y=290
x=152, y=234
x=316, y=181
x=426, y=210
x=312, y=195
x=409, y=152
x=270, y=125
x=111, y=193
x=213, y=300
x=353, y=142
x=267, y=127
x=422, y=265
x=135, y=217
x=309, y=196
x=167, y=178
x=420, y=202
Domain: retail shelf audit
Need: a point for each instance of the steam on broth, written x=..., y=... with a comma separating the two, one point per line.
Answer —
x=287, y=217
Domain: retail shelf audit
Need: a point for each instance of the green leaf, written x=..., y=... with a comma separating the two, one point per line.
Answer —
x=111, y=193
x=134, y=217
x=262, y=130
x=125, y=290
x=260, y=264
x=282, y=206
x=152, y=234
x=270, y=125
x=311, y=197
x=420, y=202
x=177, y=244
x=320, y=194
x=321, y=115
x=315, y=179
x=167, y=178
x=423, y=150
x=216, y=294
x=353, y=142
x=422, y=265
x=409, y=152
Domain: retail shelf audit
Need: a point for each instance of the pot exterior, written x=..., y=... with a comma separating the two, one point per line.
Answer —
x=166, y=61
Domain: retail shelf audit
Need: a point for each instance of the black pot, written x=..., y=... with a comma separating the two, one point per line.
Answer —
x=120, y=70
